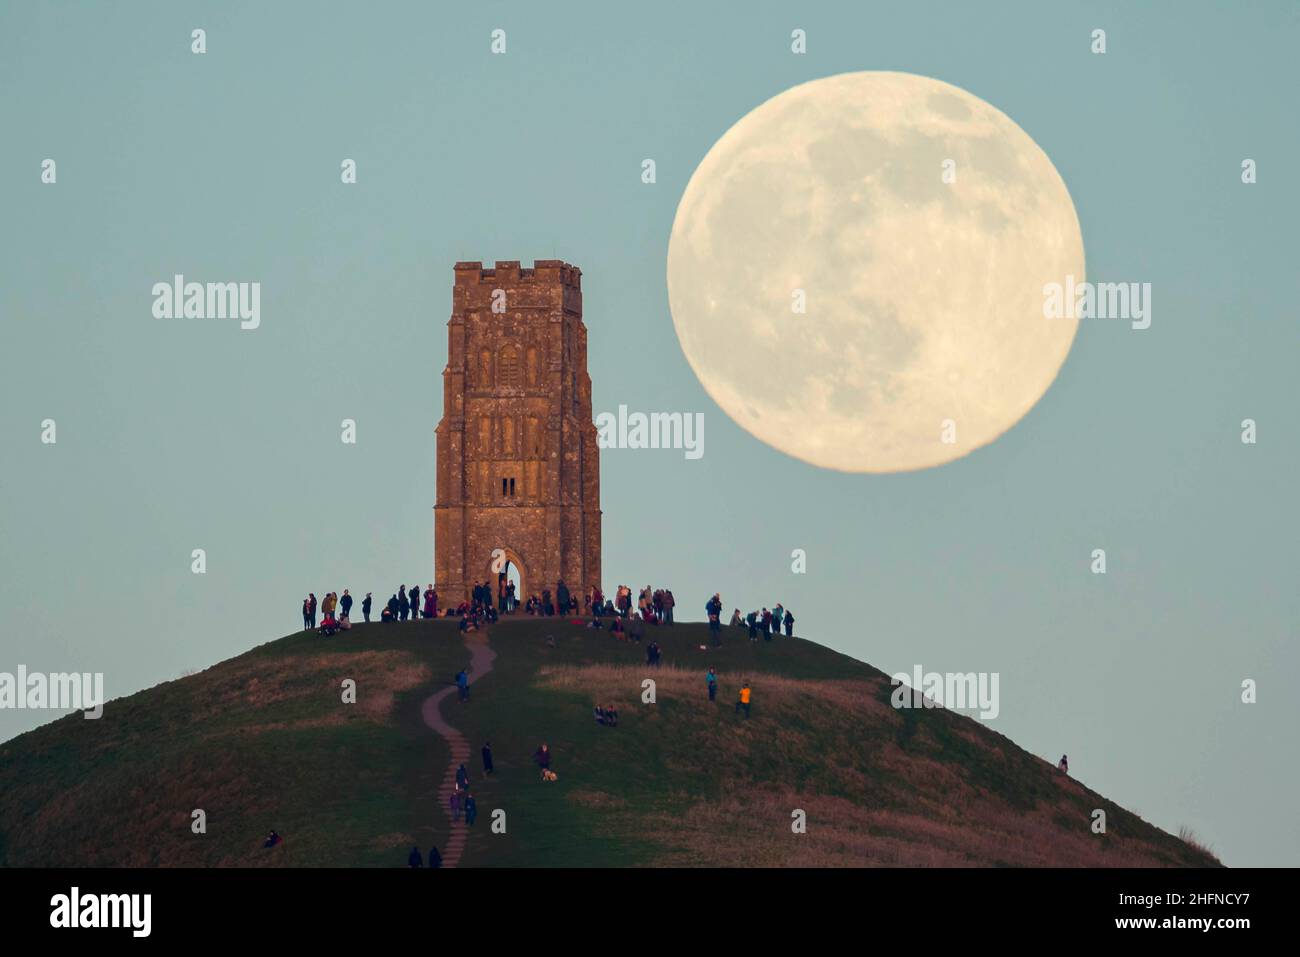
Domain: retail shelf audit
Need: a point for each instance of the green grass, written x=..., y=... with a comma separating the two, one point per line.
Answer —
x=544, y=825
x=263, y=741
x=258, y=742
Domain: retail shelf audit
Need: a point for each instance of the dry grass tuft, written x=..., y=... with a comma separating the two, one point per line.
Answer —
x=1192, y=839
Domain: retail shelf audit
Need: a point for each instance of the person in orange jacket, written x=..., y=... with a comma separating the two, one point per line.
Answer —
x=744, y=699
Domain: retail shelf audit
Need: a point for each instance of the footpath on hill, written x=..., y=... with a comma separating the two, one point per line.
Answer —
x=481, y=657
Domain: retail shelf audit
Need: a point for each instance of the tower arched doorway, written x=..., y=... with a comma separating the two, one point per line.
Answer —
x=507, y=569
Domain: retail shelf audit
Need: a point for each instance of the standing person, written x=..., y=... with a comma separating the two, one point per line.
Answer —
x=714, y=608
x=414, y=597
x=430, y=602
x=403, y=604
x=487, y=757
x=471, y=809
x=454, y=801
x=562, y=596
x=752, y=620
x=435, y=859
x=462, y=683
x=789, y=624
x=512, y=600
x=767, y=625
x=311, y=607
x=346, y=603
x=415, y=860
x=306, y=614
x=462, y=777
x=712, y=679
x=1064, y=764
x=669, y=604
x=778, y=616
x=543, y=757
x=744, y=700
x=365, y=606
x=392, y=607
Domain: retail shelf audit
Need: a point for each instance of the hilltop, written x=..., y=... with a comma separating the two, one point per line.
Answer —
x=265, y=741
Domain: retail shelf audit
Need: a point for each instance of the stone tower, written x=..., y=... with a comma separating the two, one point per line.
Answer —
x=518, y=464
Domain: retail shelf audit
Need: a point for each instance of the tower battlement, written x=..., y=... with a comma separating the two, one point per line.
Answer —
x=547, y=271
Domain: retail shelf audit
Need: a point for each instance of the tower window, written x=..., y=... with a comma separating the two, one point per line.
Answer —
x=507, y=488
x=508, y=367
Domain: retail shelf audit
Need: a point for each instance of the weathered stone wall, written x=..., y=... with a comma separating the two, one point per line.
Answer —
x=518, y=464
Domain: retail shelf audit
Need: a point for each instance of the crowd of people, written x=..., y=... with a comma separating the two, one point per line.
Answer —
x=654, y=606
x=767, y=622
x=405, y=604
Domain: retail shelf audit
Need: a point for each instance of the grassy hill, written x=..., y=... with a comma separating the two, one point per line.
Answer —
x=265, y=741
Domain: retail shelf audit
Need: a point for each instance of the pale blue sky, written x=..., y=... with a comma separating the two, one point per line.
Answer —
x=225, y=166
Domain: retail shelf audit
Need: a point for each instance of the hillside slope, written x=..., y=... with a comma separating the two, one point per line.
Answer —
x=265, y=741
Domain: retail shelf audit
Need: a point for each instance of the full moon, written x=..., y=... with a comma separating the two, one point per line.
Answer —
x=856, y=272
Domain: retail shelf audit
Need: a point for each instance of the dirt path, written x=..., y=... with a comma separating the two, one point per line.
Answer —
x=481, y=655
